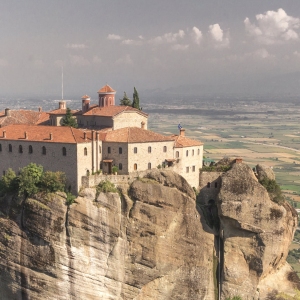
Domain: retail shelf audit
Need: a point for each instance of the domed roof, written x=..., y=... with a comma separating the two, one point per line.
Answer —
x=106, y=89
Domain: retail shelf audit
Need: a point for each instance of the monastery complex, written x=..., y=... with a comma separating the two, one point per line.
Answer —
x=108, y=135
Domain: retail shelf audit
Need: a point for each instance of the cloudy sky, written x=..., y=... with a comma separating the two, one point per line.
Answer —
x=209, y=46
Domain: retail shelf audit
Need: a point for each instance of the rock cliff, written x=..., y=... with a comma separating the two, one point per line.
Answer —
x=148, y=241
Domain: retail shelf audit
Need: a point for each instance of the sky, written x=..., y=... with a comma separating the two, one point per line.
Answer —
x=186, y=47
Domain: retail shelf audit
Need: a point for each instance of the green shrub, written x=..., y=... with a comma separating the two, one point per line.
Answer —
x=53, y=181
x=273, y=189
x=9, y=182
x=70, y=199
x=106, y=186
x=114, y=169
x=216, y=168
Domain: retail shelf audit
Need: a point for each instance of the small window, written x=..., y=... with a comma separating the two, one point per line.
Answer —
x=44, y=150
x=187, y=169
x=193, y=152
x=64, y=151
x=135, y=166
x=194, y=169
x=135, y=150
x=0, y=147
x=87, y=172
x=177, y=154
x=149, y=166
x=165, y=148
x=30, y=150
x=20, y=149
x=108, y=150
x=120, y=166
x=216, y=184
x=187, y=152
x=208, y=185
x=99, y=149
x=120, y=150
x=85, y=151
x=149, y=149
x=198, y=151
x=9, y=148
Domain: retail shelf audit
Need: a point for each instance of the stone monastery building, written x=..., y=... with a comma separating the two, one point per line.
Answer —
x=108, y=135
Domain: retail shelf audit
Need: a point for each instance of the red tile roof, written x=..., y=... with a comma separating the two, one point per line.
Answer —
x=85, y=97
x=21, y=116
x=61, y=111
x=183, y=141
x=111, y=111
x=60, y=134
x=134, y=135
x=106, y=89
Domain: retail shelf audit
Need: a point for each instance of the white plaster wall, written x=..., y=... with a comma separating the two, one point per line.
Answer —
x=129, y=119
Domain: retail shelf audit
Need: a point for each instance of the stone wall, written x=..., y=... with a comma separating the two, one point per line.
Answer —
x=210, y=183
x=129, y=119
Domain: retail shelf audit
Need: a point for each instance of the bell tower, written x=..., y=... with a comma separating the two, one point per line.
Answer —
x=106, y=96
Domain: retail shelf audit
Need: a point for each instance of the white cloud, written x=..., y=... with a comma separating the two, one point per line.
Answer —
x=218, y=36
x=197, y=35
x=76, y=46
x=97, y=59
x=125, y=60
x=263, y=53
x=78, y=60
x=180, y=47
x=132, y=42
x=273, y=27
x=168, y=37
x=114, y=37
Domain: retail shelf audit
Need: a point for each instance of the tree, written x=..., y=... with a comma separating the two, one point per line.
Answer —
x=69, y=120
x=9, y=182
x=136, y=99
x=125, y=100
x=29, y=179
x=53, y=181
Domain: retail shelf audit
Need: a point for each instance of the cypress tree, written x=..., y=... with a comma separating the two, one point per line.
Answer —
x=136, y=99
x=69, y=120
x=125, y=100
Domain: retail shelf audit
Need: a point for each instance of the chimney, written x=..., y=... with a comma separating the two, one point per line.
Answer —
x=143, y=125
x=238, y=160
x=84, y=135
x=182, y=131
x=25, y=134
x=40, y=109
x=4, y=133
x=97, y=135
x=51, y=136
x=7, y=112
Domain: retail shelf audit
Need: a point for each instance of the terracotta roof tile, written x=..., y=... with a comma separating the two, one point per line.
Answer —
x=106, y=89
x=135, y=135
x=85, y=97
x=60, y=134
x=61, y=111
x=183, y=141
x=29, y=117
x=111, y=111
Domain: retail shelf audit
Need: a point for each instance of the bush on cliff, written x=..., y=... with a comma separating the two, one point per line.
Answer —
x=106, y=186
x=9, y=182
x=273, y=189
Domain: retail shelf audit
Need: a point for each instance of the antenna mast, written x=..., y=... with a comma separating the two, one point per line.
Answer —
x=62, y=83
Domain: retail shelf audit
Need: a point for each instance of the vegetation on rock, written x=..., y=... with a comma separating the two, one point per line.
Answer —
x=273, y=189
x=106, y=186
x=219, y=168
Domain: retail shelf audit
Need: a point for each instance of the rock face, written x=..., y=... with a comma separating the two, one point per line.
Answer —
x=147, y=243
x=256, y=236
x=264, y=172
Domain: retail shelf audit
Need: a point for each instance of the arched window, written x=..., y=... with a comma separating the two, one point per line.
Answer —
x=20, y=149
x=187, y=169
x=135, y=166
x=108, y=150
x=135, y=150
x=216, y=184
x=187, y=152
x=87, y=172
x=198, y=151
x=193, y=152
x=0, y=147
x=44, y=150
x=149, y=149
x=149, y=166
x=64, y=151
x=30, y=150
x=9, y=148
x=99, y=149
x=120, y=166
x=177, y=154
x=165, y=148
x=120, y=150
x=85, y=151
x=208, y=184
